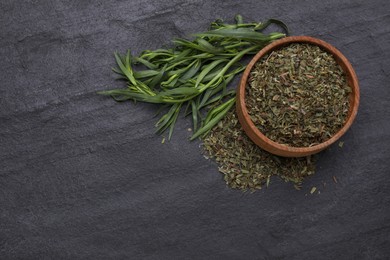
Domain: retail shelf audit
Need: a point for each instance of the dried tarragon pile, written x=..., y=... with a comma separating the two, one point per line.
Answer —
x=244, y=164
x=298, y=95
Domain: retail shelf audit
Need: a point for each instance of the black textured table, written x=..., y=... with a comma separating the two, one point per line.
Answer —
x=84, y=177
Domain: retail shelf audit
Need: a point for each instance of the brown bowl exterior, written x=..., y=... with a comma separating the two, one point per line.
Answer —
x=283, y=150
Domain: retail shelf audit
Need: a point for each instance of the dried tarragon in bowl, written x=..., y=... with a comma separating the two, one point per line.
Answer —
x=244, y=164
x=298, y=95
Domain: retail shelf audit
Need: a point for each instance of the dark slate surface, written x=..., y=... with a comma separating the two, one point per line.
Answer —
x=83, y=177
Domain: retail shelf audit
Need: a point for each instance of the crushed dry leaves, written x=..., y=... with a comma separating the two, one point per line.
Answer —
x=298, y=95
x=245, y=165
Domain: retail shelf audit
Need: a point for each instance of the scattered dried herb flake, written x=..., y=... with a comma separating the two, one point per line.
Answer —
x=244, y=164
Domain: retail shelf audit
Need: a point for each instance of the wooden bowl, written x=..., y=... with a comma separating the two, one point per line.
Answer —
x=283, y=150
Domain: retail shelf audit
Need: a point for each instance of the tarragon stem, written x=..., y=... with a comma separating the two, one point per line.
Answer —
x=193, y=73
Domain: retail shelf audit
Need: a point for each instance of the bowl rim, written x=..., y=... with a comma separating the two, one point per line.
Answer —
x=271, y=146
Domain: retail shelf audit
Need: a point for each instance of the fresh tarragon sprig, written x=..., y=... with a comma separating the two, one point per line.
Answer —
x=193, y=73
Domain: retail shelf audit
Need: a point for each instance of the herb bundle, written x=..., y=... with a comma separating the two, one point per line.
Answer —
x=298, y=95
x=244, y=164
x=193, y=74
